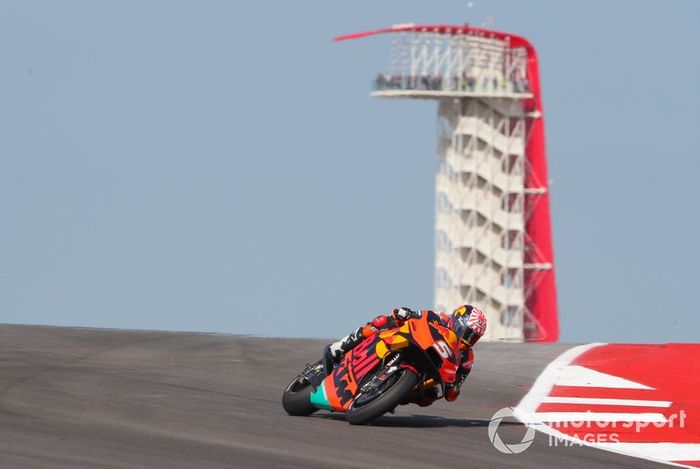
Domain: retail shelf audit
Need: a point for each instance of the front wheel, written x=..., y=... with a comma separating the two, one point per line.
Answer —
x=367, y=408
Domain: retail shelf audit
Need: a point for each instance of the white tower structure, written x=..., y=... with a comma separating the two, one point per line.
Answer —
x=492, y=225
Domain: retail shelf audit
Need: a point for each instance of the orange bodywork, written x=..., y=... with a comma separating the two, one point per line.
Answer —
x=341, y=385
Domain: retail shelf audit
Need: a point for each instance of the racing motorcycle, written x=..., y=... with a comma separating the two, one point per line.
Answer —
x=380, y=373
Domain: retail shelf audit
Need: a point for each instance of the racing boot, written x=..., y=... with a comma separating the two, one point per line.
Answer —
x=334, y=352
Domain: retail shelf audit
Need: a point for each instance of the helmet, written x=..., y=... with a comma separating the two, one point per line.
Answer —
x=469, y=323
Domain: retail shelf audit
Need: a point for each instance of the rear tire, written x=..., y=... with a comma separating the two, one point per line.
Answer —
x=385, y=402
x=296, y=399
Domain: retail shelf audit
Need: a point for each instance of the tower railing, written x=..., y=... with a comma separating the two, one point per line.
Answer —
x=461, y=62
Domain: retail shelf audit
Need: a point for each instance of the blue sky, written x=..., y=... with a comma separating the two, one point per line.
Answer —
x=220, y=166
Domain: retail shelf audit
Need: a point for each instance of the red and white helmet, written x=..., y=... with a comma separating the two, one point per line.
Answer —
x=469, y=323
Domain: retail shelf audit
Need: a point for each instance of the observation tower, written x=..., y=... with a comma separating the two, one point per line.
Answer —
x=492, y=226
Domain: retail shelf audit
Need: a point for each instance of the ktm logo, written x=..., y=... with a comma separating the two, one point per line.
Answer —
x=341, y=381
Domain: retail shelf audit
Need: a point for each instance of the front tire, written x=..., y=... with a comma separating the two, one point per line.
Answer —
x=387, y=401
x=296, y=399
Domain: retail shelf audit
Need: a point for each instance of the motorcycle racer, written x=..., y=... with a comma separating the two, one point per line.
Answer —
x=467, y=321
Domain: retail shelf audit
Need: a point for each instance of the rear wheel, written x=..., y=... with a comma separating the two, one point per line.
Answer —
x=296, y=399
x=367, y=407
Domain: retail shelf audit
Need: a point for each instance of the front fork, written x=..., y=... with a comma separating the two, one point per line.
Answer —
x=314, y=374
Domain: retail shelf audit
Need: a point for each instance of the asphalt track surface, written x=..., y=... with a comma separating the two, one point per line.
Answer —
x=92, y=398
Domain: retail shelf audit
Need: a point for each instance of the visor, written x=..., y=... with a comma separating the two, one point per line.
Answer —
x=463, y=331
